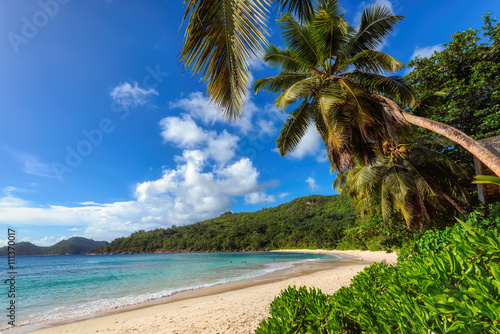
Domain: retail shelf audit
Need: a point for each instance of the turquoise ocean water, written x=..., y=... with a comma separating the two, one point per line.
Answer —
x=61, y=287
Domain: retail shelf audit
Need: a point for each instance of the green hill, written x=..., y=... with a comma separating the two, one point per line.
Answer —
x=75, y=245
x=307, y=222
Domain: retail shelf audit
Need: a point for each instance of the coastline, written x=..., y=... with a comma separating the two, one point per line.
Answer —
x=229, y=308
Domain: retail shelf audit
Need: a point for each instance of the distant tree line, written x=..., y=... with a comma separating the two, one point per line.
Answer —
x=74, y=245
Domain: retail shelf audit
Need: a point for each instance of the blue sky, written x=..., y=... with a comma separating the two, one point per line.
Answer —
x=102, y=131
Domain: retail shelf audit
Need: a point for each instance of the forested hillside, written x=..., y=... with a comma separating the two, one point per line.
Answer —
x=75, y=245
x=313, y=221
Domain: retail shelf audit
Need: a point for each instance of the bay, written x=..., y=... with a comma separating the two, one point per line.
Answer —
x=59, y=288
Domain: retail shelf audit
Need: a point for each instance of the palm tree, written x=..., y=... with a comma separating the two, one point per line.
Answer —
x=222, y=36
x=410, y=178
x=328, y=66
x=332, y=72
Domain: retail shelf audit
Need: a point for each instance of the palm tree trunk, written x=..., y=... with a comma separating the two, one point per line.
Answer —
x=477, y=149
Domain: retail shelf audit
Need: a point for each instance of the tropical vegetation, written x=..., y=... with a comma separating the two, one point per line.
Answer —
x=75, y=245
x=328, y=65
x=466, y=71
x=414, y=179
x=308, y=222
x=406, y=188
x=452, y=288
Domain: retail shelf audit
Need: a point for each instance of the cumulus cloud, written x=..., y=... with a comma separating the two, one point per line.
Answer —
x=185, y=194
x=426, y=52
x=131, y=95
x=312, y=183
x=202, y=184
x=259, y=197
x=185, y=133
x=254, y=120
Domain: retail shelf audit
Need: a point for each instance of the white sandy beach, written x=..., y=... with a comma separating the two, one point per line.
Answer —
x=237, y=311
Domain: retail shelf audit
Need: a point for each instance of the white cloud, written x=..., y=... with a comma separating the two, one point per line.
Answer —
x=254, y=120
x=426, y=52
x=310, y=145
x=131, y=96
x=283, y=195
x=186, y=134
x=259, y=197
x=10, y=201
x=267, y=127
x=46, y=241
x=207, y=176
x=196, y=105
x=222, y=147
x=257, y=64
x=89, y=203
x=312, y=183
x=183, y=132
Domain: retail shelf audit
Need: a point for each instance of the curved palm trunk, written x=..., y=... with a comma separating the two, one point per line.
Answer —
x=477, y=149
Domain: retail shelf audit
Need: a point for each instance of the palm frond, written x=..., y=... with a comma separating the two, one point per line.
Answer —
x=429, y=102
x=377, y=22
x=392, y=87
x=298, y=90
x=330, y=93
x=220, y=38
x=330, y=30
x=299, y=39
x=302, y=8
x=319, y=121
x=371, y=61
x=294, y=128
x=278, y=83
x=285, y=59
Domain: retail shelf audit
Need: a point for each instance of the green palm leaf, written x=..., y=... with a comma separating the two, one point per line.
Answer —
x=377, y=22
x=284, y=59
x=278, y=83
x=330, y=31
x=302, y=8
x=298, y=90
x=393, y=87
x=220, y=38
x=371, y=61
x=293, y=129
x=299, y=39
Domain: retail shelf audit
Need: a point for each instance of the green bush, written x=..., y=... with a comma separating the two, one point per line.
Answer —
x=436, y=240
x=376, y=234
x=304, y=311
x=453, y=288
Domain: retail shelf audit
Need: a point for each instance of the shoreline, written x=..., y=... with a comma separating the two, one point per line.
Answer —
x=228, y=308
